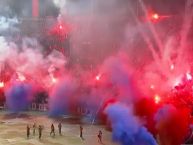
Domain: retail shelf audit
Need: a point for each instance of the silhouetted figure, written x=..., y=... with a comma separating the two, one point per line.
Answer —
x=81, y=132
x=52, y=130
x=34, y=129
x=28, y=131
x=60, y=128
x=100, y=136
x=40, y=128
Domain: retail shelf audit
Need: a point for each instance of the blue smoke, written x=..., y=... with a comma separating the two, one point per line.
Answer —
x=127, y=129
x=61, y=97
x=18, y=97
x=123, y=82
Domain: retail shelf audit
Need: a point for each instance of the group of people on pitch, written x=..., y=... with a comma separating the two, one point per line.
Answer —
x=99, y=134
x=52, y=132
x=40, y=129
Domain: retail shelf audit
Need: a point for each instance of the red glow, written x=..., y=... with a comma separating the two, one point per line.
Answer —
x=21, y=77
x=1, y=84
x=54, y=80
x=172, y=67
x=60, y=27
x=188, y=76
x=98, y=77
x=155, y=16
x=157, y=99
x=60, y=30
x=152, y=87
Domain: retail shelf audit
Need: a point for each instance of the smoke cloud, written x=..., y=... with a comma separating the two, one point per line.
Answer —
x=172, y=125
x=90, y=17
x=113, y=53
x=18, y=96
x=127, y=128
x=61, y=97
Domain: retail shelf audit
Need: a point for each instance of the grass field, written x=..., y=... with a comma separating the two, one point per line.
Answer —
x=13, y=131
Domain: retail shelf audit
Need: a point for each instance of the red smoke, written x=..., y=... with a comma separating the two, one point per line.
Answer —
x=172, y=127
